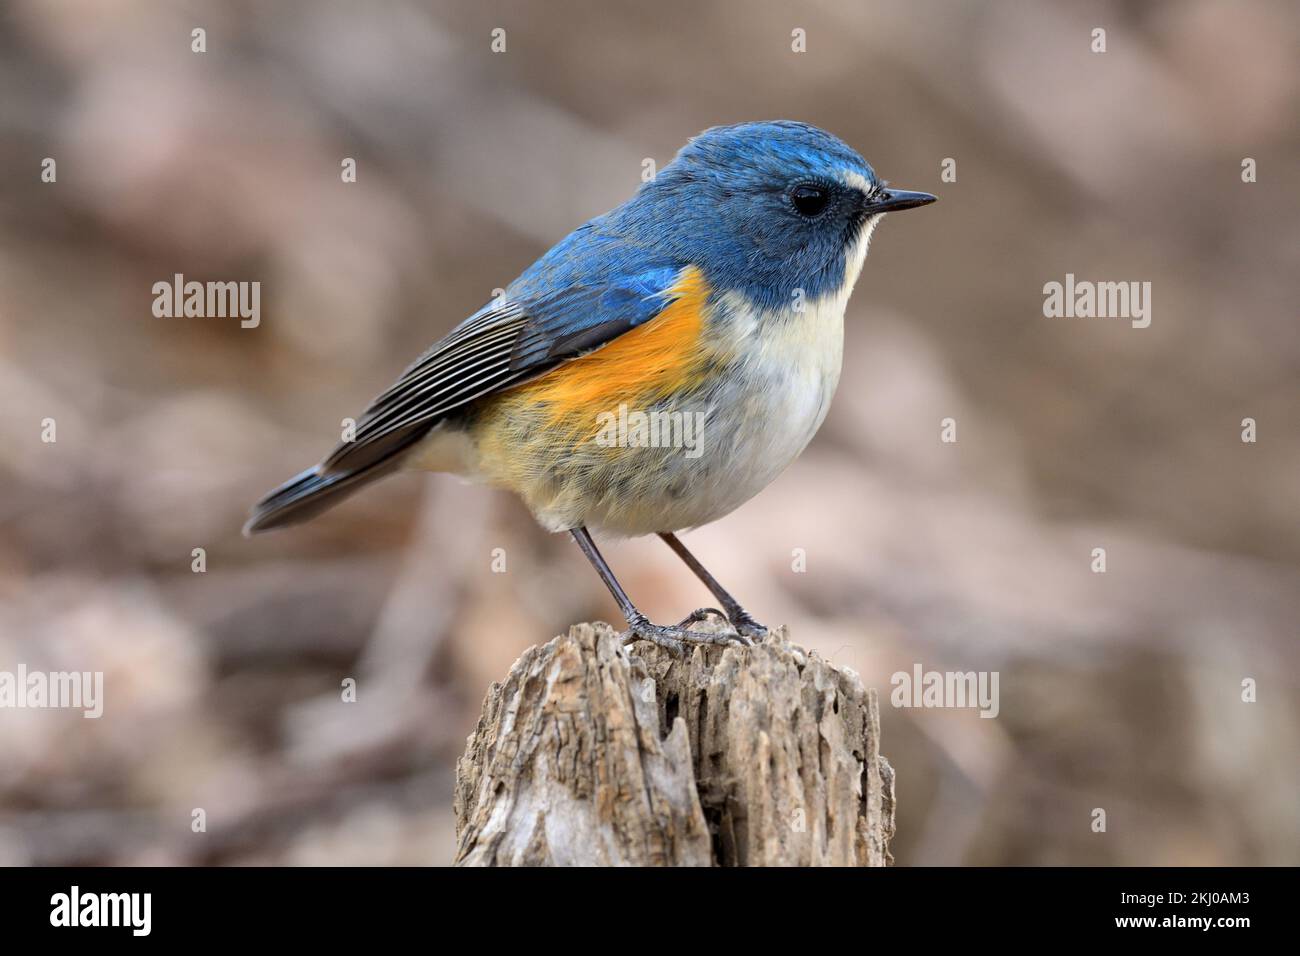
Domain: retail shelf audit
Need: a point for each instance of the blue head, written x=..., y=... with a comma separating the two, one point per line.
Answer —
x=765, y=209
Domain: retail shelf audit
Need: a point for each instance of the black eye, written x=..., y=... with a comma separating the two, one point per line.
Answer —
x=809, y=199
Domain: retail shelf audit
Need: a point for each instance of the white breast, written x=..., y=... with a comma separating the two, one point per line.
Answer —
x=766, y=416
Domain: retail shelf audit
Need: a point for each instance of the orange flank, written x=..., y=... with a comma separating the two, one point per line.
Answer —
x=641, y=366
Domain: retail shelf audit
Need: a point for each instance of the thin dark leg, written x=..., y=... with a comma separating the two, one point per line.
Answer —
x=738, y=616
x=639, y=625
x=583, y=537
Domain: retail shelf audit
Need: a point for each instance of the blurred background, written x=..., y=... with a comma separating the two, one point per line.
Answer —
x=1119, y=691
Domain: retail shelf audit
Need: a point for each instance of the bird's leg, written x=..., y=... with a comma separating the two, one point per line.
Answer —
x=737, y=615
x=672, y=637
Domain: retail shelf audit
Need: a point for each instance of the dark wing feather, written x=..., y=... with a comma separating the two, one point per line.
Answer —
x=455, y=371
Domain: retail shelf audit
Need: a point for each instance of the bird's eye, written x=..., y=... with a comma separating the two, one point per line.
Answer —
x=809, y=199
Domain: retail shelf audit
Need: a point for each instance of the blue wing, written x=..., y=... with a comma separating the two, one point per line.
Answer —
x=587, y=290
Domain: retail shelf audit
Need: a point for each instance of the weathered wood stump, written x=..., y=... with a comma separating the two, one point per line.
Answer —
x=593, y=753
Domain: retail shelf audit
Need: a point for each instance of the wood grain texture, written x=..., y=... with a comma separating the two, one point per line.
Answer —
x=592, y=753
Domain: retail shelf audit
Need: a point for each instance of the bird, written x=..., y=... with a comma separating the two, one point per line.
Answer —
x=654, y=370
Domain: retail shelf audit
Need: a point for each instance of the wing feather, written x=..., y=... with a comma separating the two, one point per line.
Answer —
x=501, y=345
x=583, y=294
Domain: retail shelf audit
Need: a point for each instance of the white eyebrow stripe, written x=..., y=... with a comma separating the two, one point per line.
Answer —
x=855, y=180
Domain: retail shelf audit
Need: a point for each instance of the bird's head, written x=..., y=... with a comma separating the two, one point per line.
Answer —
x=767, y=208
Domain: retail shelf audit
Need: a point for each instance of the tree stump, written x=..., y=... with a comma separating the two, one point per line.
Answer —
x=595, y=753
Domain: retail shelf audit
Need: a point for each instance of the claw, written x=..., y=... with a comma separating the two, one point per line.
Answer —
x=674, y=647
x=675, y=637
x=746, y=626
x=701, y=614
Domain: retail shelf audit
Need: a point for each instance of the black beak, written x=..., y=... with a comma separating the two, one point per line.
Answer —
x=892, y=200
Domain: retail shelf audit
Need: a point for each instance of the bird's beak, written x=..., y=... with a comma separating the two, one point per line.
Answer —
x=892, y=200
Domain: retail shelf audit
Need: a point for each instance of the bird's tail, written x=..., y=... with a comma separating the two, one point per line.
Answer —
x=308, y=494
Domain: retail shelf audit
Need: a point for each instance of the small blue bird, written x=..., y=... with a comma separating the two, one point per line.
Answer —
x=653, y=371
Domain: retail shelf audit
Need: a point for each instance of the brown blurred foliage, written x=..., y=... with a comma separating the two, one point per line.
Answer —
x=1119, y=690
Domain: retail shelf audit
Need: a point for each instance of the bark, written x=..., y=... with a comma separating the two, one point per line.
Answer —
x=593, y=753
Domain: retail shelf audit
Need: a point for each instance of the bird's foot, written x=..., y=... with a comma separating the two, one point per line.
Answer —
x=675, y=637
x=739, y=619
x=746, y=626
